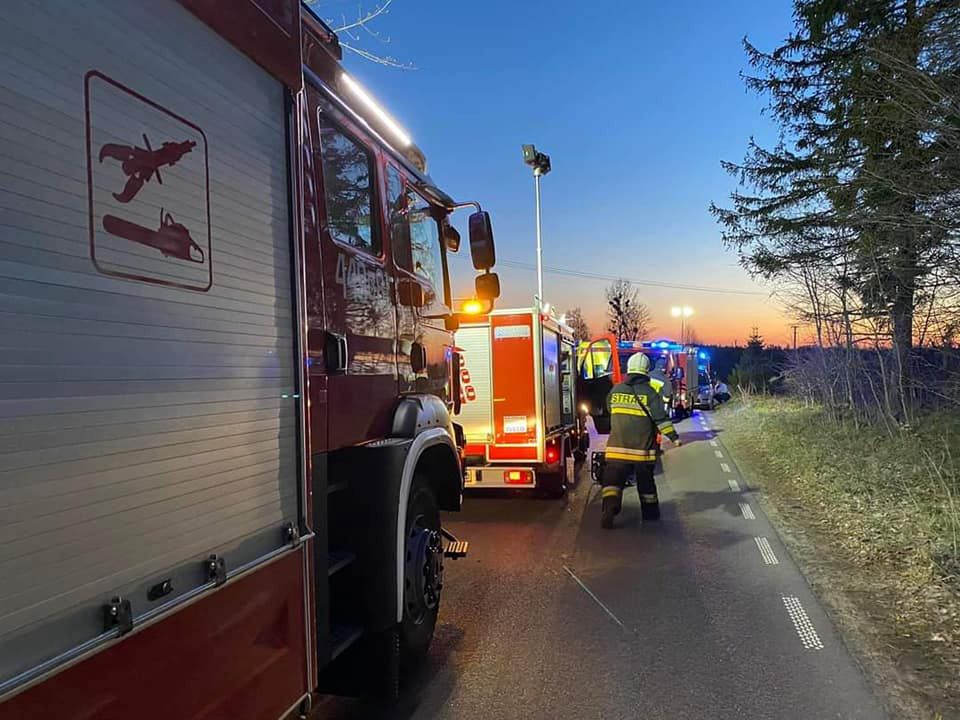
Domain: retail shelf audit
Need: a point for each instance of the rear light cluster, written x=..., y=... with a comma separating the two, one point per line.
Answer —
x=553, y=455
x=518, y=477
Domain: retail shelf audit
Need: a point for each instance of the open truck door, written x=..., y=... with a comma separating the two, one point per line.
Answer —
x=598, y=371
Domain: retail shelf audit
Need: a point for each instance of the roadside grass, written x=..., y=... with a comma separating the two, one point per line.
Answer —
x=875, y=523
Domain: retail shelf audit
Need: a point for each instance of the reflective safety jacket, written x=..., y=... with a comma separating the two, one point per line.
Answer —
x=636, y=413
x=661, y=383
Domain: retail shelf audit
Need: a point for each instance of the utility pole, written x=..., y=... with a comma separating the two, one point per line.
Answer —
x=540, y=163
x=795, y=328
x=536, y=180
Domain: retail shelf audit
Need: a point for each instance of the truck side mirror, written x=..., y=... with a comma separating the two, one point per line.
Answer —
x=488, y=286
x=411, y=294
x=451, y=237
x=481, y=241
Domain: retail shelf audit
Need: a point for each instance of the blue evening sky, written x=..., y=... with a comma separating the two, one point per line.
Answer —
x=635, y=102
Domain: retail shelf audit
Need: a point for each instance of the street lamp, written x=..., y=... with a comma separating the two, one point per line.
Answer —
x=683, y=313
x=540, y=163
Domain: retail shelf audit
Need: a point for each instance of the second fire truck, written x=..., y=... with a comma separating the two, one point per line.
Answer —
x=519, y=403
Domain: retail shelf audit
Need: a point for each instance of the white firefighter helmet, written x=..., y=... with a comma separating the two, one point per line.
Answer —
x=638, y=364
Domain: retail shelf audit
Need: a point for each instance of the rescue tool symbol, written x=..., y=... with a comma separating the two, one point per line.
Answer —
x=144, y=160
x=172, y=239
x=141, y=164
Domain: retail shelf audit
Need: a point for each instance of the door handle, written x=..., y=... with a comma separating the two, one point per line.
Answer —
x=418, y=358
x=335, y=352
x=344, y=354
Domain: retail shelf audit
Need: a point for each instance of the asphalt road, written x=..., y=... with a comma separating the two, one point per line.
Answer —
x=700, y=615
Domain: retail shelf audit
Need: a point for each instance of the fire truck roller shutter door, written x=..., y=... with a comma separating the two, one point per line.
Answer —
x=150, y=395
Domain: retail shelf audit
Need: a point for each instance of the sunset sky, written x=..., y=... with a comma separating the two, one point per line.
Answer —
x=636, y=103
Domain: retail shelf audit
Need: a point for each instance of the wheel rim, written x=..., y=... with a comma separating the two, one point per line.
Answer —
x=423, y=571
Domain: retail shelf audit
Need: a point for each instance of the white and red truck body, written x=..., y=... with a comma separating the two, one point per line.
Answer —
x=518, y=401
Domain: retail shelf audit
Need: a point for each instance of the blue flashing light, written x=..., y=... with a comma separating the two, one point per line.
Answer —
x=703, y=355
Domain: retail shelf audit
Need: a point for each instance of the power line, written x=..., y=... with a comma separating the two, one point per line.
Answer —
x=633, y=281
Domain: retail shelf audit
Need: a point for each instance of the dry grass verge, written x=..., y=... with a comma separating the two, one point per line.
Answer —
x=874, y=522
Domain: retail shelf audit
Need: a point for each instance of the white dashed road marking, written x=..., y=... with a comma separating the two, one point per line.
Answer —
x=725, y=467
x=718, y=453
x=594, y=597
x=714, y=443
x=734, y=485
x=808, y=634
x=747, y=511
x=766, y=551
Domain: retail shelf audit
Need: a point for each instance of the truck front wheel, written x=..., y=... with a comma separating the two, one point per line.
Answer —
x=423, y=572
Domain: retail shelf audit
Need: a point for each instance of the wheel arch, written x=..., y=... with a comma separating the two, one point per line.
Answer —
x=440, y=464
x=425, y=421
x=429, y=449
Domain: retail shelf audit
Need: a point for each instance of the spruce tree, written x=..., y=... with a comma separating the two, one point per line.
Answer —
x=865, y=175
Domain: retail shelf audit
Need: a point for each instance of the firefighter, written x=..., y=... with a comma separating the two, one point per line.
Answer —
x=636, y=413
x=660, y=381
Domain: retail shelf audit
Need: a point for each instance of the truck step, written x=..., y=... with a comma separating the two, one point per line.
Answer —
x=457, y=549
x=342, y=637
x=338, y=560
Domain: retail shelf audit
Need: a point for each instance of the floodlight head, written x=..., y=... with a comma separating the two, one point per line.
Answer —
x=543, y=164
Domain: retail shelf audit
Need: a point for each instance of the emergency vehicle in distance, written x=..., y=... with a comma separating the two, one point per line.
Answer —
x=602, y=362
x=519, y=403
x=224, y=443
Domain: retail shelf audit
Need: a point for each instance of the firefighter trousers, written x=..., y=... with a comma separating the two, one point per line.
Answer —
x=615, y=476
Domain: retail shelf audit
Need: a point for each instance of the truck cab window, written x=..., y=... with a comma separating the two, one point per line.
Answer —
x=347, y=173
x=415, y=234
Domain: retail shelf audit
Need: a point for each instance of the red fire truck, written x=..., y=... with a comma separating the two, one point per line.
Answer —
x=519, y=406
x=602, y=362
x=228, y=375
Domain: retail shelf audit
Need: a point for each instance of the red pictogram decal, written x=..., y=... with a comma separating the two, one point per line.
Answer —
x=145, y=160
x=140, y=164
x=171, y=238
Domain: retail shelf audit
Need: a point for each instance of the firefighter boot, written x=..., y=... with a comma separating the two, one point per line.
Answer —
x=649, y=506
x=647, y=490
x=610, y=506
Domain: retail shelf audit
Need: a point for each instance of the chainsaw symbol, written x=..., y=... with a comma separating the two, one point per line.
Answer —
x=141, y=164
x=172, y=239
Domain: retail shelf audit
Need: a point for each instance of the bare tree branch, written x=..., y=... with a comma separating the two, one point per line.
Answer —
x=350, y=39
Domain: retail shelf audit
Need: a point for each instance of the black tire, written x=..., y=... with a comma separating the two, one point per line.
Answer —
x=554, y=485
x=423, y=575
x=583, y=447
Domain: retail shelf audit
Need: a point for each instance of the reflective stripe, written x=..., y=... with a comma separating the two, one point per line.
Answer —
x=649, y=498
x=667, y=428
x=627, y=411
x=629, y=451
x=618, y=453
x=611, y=491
